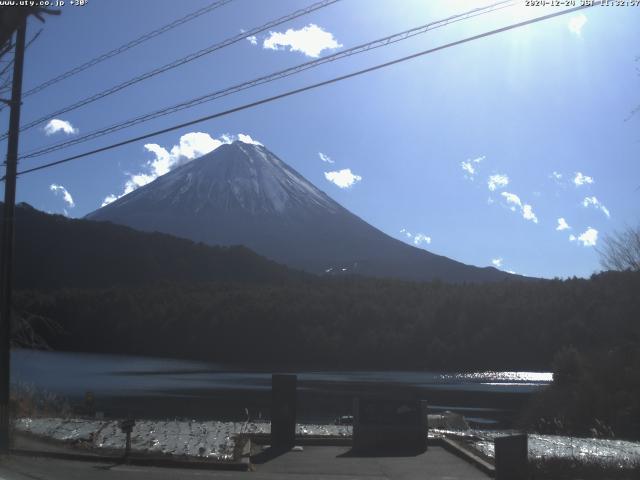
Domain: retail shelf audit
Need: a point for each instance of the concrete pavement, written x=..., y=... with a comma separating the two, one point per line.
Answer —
x=314, y=462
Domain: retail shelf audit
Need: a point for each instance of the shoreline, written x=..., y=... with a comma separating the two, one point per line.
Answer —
x=314, y=406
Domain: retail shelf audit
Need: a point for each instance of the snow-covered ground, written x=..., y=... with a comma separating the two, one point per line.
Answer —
x=215, y=440
x=207, y=439
x=615, y=452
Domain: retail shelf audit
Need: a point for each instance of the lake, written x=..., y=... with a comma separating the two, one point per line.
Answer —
x=170, y=388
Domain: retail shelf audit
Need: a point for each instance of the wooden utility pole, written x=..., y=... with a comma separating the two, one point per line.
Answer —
x=6, y=255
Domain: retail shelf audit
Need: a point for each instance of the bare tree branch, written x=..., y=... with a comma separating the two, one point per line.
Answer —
x=621, y=250
x=25, y=333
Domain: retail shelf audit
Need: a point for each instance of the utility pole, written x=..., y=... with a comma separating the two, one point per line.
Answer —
x=6, y=255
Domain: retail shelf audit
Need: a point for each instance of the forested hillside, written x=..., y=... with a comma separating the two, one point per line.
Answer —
x=345, y=322
x=52, y=251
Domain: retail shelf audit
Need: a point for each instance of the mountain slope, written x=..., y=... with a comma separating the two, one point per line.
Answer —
x=52, y=251
x=244, y=194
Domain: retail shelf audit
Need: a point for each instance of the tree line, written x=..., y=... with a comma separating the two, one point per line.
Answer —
x=349, y=321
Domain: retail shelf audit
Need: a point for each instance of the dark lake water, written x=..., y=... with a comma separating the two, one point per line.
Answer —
x=161, y=387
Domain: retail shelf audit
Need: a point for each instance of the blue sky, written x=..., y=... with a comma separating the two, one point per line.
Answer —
x=474, y=152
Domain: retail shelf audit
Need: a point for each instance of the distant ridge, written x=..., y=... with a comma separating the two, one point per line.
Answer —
x=52, y=251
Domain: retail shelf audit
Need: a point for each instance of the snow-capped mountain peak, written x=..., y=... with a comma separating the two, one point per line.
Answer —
x=235, y=176
x=243, y=194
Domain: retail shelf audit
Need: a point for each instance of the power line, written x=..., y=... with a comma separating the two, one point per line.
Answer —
x=127, y=46
x=309, y=87
x=270, y=99
x=9, y=64
x=178, y=63
x=271, y=77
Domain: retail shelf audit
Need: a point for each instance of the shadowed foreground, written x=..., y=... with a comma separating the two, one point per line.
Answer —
x=313, y=462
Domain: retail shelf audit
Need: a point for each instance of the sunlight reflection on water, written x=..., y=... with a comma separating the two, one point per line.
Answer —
x=502, y=377
x=74, y=373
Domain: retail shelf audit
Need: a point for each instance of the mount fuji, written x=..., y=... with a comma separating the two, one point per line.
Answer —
x=243, y=194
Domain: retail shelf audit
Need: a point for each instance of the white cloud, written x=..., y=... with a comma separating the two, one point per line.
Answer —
x=421, y=238
x=109, y=199
x=56, y=125
x=497, y=181
x=581, y=179
x=325, y=158
x=593, y=201
x=66, y=196
x=244, y=138
x=343, y=178
x=558, y=179
x=497, y=262
x=252, y=40
x=588, y=238
x=418, y=238
x=562, y=224
x=527, y=213
x=469, y=168
x=576, y=23
x=191, y=146
x=514, y=201
x=310, y=40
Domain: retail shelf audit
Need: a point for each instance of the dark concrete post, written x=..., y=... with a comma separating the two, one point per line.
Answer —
x=512, y=457
x=283, y=410
x=384, y=425
x=127, y=445
x=127, y=427
x=89, y=403
x=424, y=421
x=355, y=429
